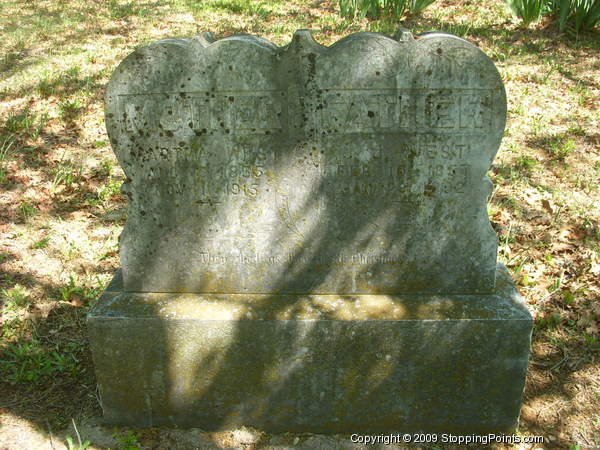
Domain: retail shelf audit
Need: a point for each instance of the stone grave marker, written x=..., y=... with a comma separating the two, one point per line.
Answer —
x=307, y=246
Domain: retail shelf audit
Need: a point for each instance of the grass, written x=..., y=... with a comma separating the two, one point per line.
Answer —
x=5, y=154
x=127, y=440
x=15, y=297
x=26, y=124
x=27, y=210
x=62, y=210
x=32, y=363
x=108, y=191
x=81, y=289
x=66, y=173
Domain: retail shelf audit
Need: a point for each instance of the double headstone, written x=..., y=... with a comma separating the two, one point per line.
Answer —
x=307, y=244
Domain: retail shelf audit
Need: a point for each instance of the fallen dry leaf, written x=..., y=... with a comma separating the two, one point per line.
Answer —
x=75, y=300
x=547, y=206
x=593, y=329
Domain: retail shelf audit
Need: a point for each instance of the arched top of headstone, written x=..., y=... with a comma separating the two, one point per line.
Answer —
x=354, y=168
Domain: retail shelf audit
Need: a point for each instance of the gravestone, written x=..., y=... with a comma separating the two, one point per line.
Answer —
x=307, y=246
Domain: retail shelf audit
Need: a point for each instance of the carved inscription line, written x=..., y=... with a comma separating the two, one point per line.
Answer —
x=241, y=171
x=255, y=91
x=259, y=91
x=335, y=111
x=257, y=258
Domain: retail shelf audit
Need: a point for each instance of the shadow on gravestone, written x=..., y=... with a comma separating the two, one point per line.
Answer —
x=307, y=245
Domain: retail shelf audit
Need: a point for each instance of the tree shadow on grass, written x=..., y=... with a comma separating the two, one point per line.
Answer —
x=558, y=146
x=529, y=41
x=551, y=386
x=47, y=374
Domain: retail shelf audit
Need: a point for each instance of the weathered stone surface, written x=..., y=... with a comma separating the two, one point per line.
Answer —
x=358, y=168
x=307, y=245
x=320, y=363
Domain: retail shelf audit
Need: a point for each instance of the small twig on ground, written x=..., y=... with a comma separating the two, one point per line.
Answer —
x=517, y=255
x=76, y=432
x=50, y=434
x=548, y=295
x=585, y=439
x=98, y=398
x=551, y=293
x=559, y=363
x=554, y=366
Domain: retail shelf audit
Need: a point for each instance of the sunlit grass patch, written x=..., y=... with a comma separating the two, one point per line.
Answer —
x=66, y=173
x=42, y=243
x=123, y=9
x=27, y=210
x=24, y=123
x=15, y=297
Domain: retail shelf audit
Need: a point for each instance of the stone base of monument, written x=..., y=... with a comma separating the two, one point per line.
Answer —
x=318, y=363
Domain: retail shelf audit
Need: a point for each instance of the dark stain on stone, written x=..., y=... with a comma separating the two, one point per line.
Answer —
x=370, y=114
x=312, y=66
x=429, y=190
